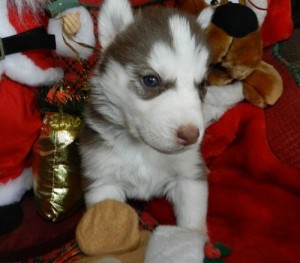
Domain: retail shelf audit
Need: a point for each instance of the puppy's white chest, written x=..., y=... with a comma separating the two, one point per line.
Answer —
x=143, y=172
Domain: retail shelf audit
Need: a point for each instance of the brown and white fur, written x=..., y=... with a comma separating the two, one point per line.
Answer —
x=144, y=121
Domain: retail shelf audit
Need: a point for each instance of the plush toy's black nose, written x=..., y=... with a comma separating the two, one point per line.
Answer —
x=235, y=19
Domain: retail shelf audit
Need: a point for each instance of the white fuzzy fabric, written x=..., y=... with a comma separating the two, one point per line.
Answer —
x=30, y=74
x=14, y=190
x=171, y=244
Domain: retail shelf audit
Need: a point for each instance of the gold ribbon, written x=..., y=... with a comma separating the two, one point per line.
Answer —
x=61, y=121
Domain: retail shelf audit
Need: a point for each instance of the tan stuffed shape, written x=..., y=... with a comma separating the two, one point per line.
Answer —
x=109, y=233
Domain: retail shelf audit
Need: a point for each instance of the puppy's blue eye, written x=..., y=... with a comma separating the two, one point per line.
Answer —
x=151, y=81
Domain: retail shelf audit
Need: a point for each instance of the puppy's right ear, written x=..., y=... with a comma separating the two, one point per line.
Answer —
x=114, y=17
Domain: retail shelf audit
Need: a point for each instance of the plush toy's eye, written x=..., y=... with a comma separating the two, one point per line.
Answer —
x=214, y=2
x=151, y=81
x=202, y=88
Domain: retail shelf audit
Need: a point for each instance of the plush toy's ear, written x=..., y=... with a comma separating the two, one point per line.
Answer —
x=114, y=17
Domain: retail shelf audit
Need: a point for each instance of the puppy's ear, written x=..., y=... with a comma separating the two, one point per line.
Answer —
x=114, y=17
x=205, y=17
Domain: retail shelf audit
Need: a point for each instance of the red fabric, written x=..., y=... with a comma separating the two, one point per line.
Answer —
x=28, y=20
x=20, y=118
x=254, y=198
x=161, y=210
x=282, y=120
x=20, y=126
x=278, y=24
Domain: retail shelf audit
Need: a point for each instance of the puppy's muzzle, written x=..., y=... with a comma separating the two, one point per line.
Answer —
x=187, y=134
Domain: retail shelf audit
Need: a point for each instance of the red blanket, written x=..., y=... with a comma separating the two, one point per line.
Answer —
x=254, y=198
x=254, y=201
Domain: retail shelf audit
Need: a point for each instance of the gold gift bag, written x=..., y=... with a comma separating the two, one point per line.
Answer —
x=56, y=167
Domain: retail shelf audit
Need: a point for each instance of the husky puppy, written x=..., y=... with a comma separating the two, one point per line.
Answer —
x=144, y=120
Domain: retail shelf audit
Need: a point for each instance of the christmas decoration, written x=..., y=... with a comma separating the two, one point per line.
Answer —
x=26, y=62
x=56, y=166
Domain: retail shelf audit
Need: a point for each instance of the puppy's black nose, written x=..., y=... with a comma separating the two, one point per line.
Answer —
x=187, y=134
x=235, y=19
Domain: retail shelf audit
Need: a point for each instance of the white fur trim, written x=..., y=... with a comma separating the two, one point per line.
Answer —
x=13, y=190
x=171, y=244
x=22, y=69
x=84, y=35
x=114, y=17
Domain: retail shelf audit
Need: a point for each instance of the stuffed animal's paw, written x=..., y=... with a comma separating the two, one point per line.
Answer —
x=263, y=86
x=109, y=233
x=108, y=227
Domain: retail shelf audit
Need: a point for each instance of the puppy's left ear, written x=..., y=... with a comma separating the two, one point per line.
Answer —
x=114, y=17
